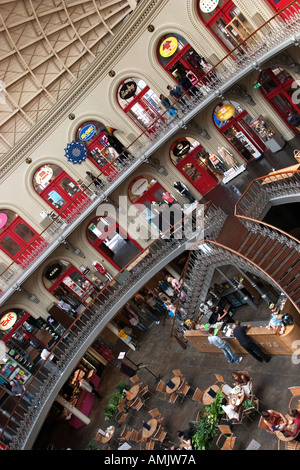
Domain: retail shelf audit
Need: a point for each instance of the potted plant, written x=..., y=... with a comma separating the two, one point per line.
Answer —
x=112, y=407
x=207, y=426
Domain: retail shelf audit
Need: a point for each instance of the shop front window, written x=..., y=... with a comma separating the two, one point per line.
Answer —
x=227, y=23
x=139, y=102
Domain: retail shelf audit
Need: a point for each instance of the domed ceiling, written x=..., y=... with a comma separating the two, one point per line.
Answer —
x=45, y=46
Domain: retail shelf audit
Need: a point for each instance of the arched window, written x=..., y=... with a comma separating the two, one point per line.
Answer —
x=17, y=239
x=140, y=103
x=181, y=61
x=70, y=287
x=227, y=23
x=60, y=191
x=277, y=87
x=103, y=147
x=233, y=121
x=191, y=159
x=279, y=4
x=112, y=242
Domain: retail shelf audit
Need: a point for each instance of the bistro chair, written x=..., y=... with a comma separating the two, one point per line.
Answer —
x=177, y=373
x=220, y=379
x=135, y=379
x=248, y=412
x=184, y=389
x=150, y=445
x=134, y=436
x=155, y=413
x=122, y=418
x=144, y=391
x=289, y=445
x=156, y=432
x=295, y=391
x=125, y=434
x=137, y=404
x=226, y=439
x=173, y=397
x=263, y=425
x=197, y=396
x=161, y=387
x=160, y=436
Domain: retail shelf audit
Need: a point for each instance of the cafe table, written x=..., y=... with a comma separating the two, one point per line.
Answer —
x=108, y=434
x=133, y=392
x=176, y=381
x=207, y=398
x=152, y=423
x=236, y=396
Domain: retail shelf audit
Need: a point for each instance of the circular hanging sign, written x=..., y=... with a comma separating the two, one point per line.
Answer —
x=44, y=175
x=87, y=132
x=225, y=112
x=53, y=271
x=8, y=320
x=207, y=6
x=3, y=219
x=181, y=148
x=168, y=47
x=139, y=187
x=128, y=90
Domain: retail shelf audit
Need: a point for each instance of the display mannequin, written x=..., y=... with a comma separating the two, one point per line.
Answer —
x=227, y=157
x=182, y=189
x=216, y=162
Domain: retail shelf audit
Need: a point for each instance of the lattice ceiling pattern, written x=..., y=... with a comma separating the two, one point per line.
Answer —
x=44, y=46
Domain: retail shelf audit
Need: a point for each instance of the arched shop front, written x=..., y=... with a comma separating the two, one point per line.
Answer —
x=234, y=123
x=181, y=61
x=73, y=290
x=191, y=159
x=17, y=239
x=140, y=103
x=60, y=191
x=227, y=23
x=102, y=146
x=281, y=91
x=112, y=242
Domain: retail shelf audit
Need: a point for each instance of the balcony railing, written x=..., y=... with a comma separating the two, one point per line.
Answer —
x=274, y=35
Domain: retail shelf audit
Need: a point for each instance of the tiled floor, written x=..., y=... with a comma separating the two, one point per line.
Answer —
x=161, y=354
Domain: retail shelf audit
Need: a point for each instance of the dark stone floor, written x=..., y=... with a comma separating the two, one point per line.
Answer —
x=161, y=354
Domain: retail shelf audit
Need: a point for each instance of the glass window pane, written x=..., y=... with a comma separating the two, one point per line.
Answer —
x=55, y=199
x=69, y=186
x=24, y=232
x=9, y=245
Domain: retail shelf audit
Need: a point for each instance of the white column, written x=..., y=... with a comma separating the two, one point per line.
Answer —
x=85, y=419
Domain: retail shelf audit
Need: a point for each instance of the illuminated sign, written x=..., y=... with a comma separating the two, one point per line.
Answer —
x=8, y=320
x=207, y=6
x=256, y=85
x=87, y=132
x=168, y=47
x=225, y=112
x=3, y=220
x=44, y=175
x=128, y=90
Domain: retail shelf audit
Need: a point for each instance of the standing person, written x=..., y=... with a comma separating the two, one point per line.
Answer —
x=167, y=104
x=18, y=389
x=135, y=322
x=294, y=119
x=177, y=92
x=221, y=344
x=240, y=333
x=182, y=189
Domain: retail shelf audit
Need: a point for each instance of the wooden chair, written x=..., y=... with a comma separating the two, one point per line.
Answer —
x=155, y=413
x=125, y=434
x=150, y=445
x=227, y=437
x=135, y=435
x=197, y=396
x=289, y=445
x=177, y=373
x=161, y=387
x=137, y=404
x=184, y=389
x=160, y=436
x=122, y=418
x=144, y=391
x=220, y=379
x=263, y=425
x=247, y=412
x=295, y=391
x=173, y=397
x=135, y=379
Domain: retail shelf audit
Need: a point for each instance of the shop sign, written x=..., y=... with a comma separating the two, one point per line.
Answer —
x=207, y=6
x=53, y=271
x=87, y=132
x=168, y=47
x=128, y=90
x=44, y=175
x=3, y=219
x=8, y=320
x=225, y=112
x=256, y=85
x=139, y=187
x=181, y=148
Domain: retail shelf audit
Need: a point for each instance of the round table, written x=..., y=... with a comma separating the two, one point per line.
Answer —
x=176, y=381
x=207, y=399
x=236, y=399
x=149, y=432
x=133, y=392
x=282, y=437
x=109, y=432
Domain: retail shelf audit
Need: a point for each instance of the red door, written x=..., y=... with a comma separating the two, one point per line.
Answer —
x=75, y=282
x=103, y=155
x=279, y=4
x=20, y=242
x=64, y=196
x=196, y=172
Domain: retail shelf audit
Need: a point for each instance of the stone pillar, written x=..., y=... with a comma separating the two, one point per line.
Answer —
x=85, y=419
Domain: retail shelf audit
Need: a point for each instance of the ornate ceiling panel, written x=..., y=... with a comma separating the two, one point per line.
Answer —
x=45, y=46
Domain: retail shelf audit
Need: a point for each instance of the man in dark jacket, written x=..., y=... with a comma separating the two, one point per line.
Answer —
x=240, y=333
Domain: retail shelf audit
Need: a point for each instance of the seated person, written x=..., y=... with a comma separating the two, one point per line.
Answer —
x=243, y=380
x=292, y=428
x=185, y=438
x=274, y=420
